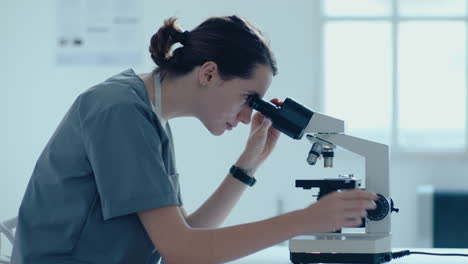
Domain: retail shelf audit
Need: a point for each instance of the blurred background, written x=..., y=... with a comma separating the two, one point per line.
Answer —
x=394, y=70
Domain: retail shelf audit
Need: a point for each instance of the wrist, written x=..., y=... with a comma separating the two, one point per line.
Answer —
x=242, y=175
x=246, y=164
x=299, y=222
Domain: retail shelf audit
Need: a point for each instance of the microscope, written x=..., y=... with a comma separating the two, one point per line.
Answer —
x=372, y=243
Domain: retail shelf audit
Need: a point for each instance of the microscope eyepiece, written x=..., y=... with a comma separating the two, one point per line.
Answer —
x=266, y=108
x=291, y=117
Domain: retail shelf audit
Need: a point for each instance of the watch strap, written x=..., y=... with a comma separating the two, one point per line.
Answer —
x=242, y=175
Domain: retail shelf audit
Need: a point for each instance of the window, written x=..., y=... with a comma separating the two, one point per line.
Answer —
x=395, y=71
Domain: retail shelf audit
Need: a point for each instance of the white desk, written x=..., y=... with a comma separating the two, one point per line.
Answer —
x=280, y=255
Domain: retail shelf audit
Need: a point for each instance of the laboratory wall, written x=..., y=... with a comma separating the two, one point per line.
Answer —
x=36, y=92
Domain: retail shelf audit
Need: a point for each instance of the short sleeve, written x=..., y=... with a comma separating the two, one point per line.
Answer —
x=124, y=147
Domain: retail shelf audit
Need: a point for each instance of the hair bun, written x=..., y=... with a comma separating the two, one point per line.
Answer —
x=183, y=37
x=162, y=41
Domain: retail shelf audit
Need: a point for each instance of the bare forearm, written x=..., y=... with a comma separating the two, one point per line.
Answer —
x=229, y=243
x=215, y=210
x=179, y=243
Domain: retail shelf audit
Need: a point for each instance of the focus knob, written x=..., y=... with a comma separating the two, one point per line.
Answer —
x=381, y=211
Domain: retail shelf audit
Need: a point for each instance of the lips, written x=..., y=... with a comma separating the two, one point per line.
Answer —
x=230, y=126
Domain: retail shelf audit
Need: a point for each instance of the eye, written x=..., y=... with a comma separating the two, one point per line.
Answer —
x=247, y=96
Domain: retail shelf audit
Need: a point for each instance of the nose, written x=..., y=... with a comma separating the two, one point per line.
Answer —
x=245, y=115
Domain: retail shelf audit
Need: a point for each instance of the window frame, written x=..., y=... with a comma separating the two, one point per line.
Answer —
x=394, y=18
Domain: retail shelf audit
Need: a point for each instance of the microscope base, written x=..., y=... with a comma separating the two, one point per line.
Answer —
x=341, y=248
x=365, y=258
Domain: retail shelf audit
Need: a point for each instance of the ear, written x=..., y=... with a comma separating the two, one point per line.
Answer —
x=207, y=73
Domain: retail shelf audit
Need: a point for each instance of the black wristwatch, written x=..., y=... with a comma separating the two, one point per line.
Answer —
x=242, y=175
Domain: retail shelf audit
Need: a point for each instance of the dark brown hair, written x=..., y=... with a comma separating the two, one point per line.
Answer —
x=233, y=43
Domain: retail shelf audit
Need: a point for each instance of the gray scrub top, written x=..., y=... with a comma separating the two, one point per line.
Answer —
x=108, y=159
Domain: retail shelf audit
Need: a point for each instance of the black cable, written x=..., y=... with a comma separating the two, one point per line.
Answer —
x=439, y=254
x=403, y=253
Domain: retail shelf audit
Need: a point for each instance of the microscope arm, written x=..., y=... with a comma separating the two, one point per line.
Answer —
x=320, y=123
x=376, y=158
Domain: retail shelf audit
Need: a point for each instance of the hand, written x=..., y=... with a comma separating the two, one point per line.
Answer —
x=262, y=140
x=337, y=210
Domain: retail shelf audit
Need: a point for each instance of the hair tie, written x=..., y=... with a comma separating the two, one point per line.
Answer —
x=184, y=37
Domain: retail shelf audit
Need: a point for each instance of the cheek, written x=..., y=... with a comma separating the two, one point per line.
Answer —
x=225, y=104
x=234, y=111
x=221, y=112
x=230, y=107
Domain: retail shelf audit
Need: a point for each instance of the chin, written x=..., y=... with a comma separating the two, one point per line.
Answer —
x=215, y=130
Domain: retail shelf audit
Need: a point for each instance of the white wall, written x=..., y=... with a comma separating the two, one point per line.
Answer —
x=36, y=93
x=3, y=99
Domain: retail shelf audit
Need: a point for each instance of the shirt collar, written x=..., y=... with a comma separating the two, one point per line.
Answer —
x=157, y=105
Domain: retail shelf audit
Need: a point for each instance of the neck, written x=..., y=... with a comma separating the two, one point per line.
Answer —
x=177, y=94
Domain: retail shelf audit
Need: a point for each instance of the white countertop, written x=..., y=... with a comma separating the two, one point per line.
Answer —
x=280, y=255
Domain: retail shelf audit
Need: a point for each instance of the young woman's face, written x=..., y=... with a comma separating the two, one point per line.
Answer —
x=225, y=104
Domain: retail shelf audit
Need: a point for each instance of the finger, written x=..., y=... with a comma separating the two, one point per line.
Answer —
x=355, y=213
x=262, y=125
x=266, y=122
x=261, y=120
x=258, y=118
x=359, y=205
x=357, y=194
x=276, y=102
x=273, y=132
x=353, y=222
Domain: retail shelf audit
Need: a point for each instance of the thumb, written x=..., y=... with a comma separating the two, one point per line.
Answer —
x=263, y=125
x=266, y=123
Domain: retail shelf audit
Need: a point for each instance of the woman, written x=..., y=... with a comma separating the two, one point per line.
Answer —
x=105, y=189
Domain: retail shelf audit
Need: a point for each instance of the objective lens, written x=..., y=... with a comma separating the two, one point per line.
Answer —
x=314, y=153
x=327, y=157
